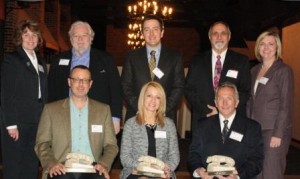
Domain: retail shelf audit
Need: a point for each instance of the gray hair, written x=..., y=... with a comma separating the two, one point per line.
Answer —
x=91, y=31
x=228, y=85
x=219, y=22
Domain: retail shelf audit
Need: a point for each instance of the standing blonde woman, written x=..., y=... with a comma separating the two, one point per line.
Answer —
x=150, y=133
x=271, y=103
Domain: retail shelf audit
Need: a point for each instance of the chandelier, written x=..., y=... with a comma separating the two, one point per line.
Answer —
x=136, y=13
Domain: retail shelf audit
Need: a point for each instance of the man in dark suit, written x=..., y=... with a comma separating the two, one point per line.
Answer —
x=242, y=140
x=167, y=69
x=202, y=77
x=76, y=124
x=107, y=84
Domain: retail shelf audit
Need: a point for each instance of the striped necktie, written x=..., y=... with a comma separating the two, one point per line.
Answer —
x=225, y=130
x=152, y=63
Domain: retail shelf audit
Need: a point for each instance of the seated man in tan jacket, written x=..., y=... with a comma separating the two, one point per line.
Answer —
x=76, y=124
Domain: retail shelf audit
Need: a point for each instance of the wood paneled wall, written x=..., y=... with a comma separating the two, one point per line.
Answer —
x=291, y=56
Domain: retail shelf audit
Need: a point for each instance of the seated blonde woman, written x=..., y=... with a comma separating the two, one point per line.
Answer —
x=149, y=133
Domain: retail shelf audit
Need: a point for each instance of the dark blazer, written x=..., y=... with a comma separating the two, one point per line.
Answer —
x=106, y=86
x=199, y=89
x=207, y=141
x=136, y=73
x=19, y=89
x=272, y=103
x=21, y=106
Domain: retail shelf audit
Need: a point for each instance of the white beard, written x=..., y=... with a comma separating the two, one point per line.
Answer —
x=219, y=45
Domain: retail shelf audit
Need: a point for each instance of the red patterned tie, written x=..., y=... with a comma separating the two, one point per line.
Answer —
x=218, y=69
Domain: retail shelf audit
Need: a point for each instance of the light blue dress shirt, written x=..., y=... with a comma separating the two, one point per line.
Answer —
x=80, y=128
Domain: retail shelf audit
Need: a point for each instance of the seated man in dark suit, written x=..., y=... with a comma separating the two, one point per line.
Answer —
x=239, y=138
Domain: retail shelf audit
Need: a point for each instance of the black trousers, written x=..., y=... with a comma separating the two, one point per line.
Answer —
x=19, y=158
x=78, y=176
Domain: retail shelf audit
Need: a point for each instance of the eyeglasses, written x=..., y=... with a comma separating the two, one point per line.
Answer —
x=77, y=80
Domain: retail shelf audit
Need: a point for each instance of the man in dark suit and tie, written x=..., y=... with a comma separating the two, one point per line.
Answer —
x=210, y=68
x=107, y=84
x=153, y=62
x=239, y=138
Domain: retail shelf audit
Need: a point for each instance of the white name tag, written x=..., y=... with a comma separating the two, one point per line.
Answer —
x=64, y=62
x=236, y=136
x=232, y=73
x=97, y=128
x=263, y=80
x=41, y=69
x=157, y=72
x=160, y=134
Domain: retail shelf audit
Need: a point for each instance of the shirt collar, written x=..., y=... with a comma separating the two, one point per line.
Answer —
x=157, y=50
x=230, y=119
x=86, y=53
x=223, y=54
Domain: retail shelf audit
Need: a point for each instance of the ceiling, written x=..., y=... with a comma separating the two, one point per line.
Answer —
x=246, y=18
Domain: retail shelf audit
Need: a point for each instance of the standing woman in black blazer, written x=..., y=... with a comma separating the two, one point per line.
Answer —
x=23, y=94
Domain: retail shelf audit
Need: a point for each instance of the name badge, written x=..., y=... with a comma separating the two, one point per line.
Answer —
x=157, y=72
x=97, y=128
x=263, y=80
x=41, y=69
x=232, y=73
x=64, y=62
x=236, y=136
x=160, y=134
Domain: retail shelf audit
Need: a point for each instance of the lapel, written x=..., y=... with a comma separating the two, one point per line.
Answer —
x=142, y=64
x=91, y=117
x=208, y=64
x=163, y=58
x=236, y=126
x=254, y=74
x=66, y=118
x=217, y=127
x=25, y=59
x=142, y=132
x=226, y=66
x=96, y=62
x=267, y=75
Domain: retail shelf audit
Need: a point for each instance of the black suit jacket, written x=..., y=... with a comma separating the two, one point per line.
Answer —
x=106, y=86
x=207, y=141
x=199, y=89
x=20, y=88
x=136, y=73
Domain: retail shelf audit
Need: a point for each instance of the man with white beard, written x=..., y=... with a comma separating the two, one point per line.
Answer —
x=209, y=69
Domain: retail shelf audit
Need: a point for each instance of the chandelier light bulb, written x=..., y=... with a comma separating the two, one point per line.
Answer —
x=136, y=13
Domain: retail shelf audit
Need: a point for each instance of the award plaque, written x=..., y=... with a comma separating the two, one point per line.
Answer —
x=79, y=163
x=150, y=166
x=220, y=165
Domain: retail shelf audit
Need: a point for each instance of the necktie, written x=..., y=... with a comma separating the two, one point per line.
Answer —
x=218, y=69
x=225, y=130
x=152, y=63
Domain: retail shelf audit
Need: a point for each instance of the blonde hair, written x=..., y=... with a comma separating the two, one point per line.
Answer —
x=261, y=37
x=160, y=113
